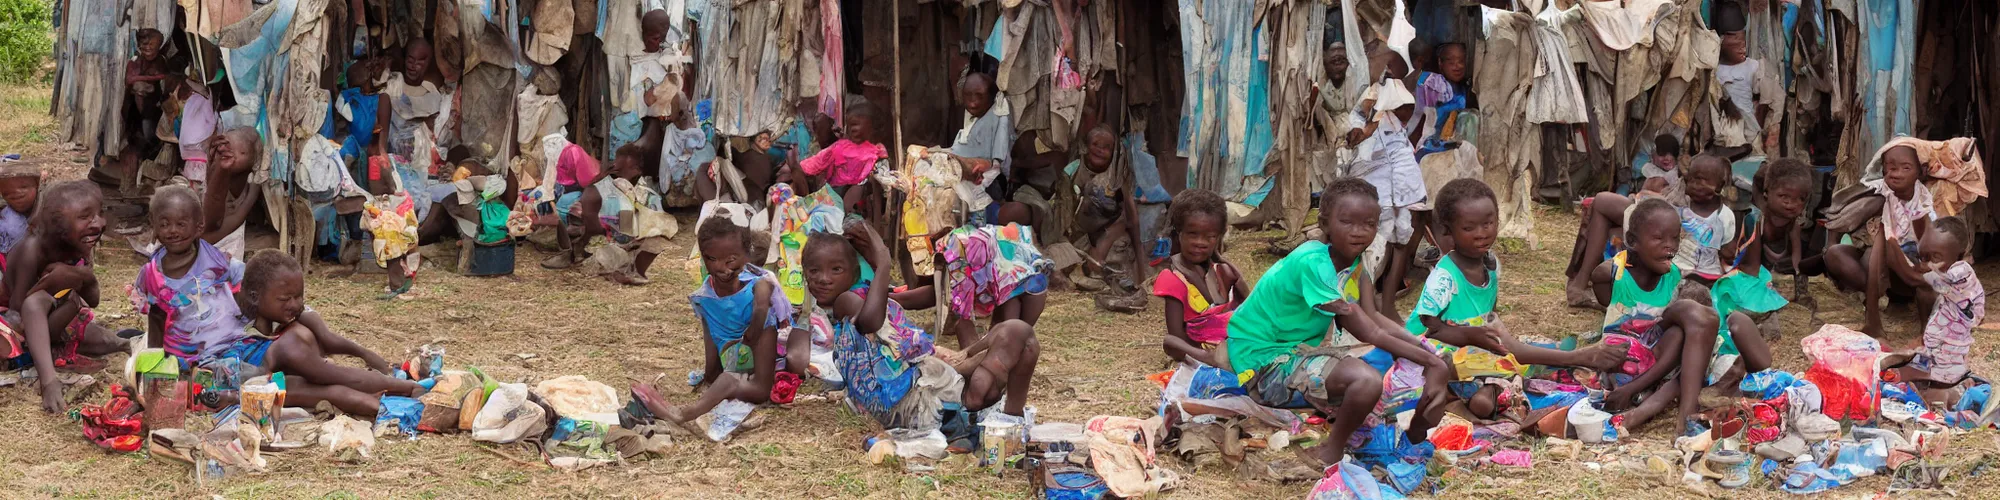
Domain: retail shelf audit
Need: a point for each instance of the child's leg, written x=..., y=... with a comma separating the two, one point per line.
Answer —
x=1006, y=368
x=1607, y=212
x=1600, y=357
x=1698, y=333
x=728, y=386
x=643, y=260
x=298, y=352
x=301, y=393
x=1750, y=343
x=1654, y=404
x=1025, y=307
x=1877, y=285
x=1100, y=249
x=704, y=186
x=1360, y=387
x=35, y=322
x=1014, y=213
x=1846, y=266
x=1396, y=264
x=916, y=298
x=853, y=196
x=1485, y=403
x=798, y=352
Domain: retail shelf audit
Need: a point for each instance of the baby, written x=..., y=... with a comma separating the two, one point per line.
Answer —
x=1958, y=303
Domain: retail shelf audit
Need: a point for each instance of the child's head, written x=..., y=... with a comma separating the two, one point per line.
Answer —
x=976, y=92
x=362, y=74
x=150, y=41
x=72, y=215
x=821, y=127
x=832, y=266
x=759, y=250
x=1200, y=220
x=1333, y=60
x=1705, y=178
x=1666, y=151
x=724, y=247
x=416, y=59
x=628, y=165
x=1900, y=170
x=274, y=286
x=1947, y=241
x=653, y=28
x=1783, y=184
x=1652, y=235
x=1471, y=216
x=1349, y=213
x=1451, y=61
x=861, y=122
x=1102, y=143
x=175, y=216
x=20, y=186
x=234, y=150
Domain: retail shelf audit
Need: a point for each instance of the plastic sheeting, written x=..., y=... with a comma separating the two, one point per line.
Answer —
x=1225, y=130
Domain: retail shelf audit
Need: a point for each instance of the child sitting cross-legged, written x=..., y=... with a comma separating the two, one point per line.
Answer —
x=292, y=338
x=893, y=371
x=1673, y=339
x=742, y=313
x=1458, y=308
x=51, y=287
x=1309, y=336
x=1958, y=304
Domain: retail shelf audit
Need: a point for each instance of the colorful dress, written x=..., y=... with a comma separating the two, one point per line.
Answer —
x=1702, y=239
x=1451, y=298
x=1634, y=313
x=990, y=265
x=882, y=369
x=1961, y=305
x=726, y=318
x=199, y=307
x=1899, y=216
x=1207, y=322
x=846, y=162
x=392, y=218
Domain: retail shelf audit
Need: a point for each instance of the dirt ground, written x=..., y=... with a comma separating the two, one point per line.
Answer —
x=541, y=324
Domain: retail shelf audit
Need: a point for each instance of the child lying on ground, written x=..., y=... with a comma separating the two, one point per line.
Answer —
x=1200, y=289
x=742, y=311
x=1639, y=288
x=1710, y=229
x=186, y=289
x=51, y=287
x=1906, y=216
x=1302, y=335
x=1958, y=304
x=888, y=362
x=1459, y=303
x=294, y=340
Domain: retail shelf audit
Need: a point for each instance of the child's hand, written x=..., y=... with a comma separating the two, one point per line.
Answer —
x=59, y=277
x=860, y=234
x=1490, y=339
x=52, y=396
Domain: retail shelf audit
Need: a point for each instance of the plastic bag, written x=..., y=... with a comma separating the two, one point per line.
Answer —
x=579, y=444
x=580, y=398
x=398, y=415
x=347, y=438
x=260, y=399
x=509, y=416
x=728, y=416
x=1350, y=481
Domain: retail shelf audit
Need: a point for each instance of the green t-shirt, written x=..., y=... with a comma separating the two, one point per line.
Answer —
x=1282, y=311
x=1449, y=297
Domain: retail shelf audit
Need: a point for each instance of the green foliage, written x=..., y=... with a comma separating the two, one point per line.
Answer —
x=25, y=38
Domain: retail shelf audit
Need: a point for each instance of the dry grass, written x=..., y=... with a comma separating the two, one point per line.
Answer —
x=1093, y=364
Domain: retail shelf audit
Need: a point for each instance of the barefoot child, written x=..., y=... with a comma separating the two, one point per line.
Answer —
x=847, y=164
x=186, y=289
x=741, y=312
x=621, y=206
x=888, y=362
x=1709, y=225
x=1199, y=288
x=291, y=338
x=1640, y=287
x=1958, y=303
x=1457, y=308
x=1301, y=336
x=1906, y=215
x=1773, y=243
x=1387, y=160
x=51, y=287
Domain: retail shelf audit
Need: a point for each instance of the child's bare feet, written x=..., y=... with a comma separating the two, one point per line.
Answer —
x=1580, y=297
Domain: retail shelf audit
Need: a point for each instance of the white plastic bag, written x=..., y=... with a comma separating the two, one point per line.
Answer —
x=344, y=433
x=508, y=416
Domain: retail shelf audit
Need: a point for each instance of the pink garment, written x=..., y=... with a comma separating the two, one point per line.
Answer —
x=1517, y=458
x=197, y=124
x=831, y=69
x=575, y=168
x=1961, y=304
x=846, y=162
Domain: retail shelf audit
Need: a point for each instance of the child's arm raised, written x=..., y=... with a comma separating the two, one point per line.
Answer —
x=874, y=307
x=233, y=216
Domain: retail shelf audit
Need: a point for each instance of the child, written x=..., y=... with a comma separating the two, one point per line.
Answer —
x=416, y=103
x=1106, y=210
x=1387, y=160
x=1457, y=310
x=621, y=206
x=291, y=338
x=145, y=80
x=51, y=287
x=1200, y=289
x=197, y=120
x=367, y=115
x=391, y=217
x=1300, y=337
x=1639, y=288
x=230, y=196
x=1906, y=214
x=848, y=163
x=1441, y=95
x=20, y=188
x=1745, y=122
x=891, y=369
x=1776, y=241
x=984, y=149
x=1659, y=174
x=1959, y=303
x=1710, y=226
x=186, y=289
x=742, y=313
